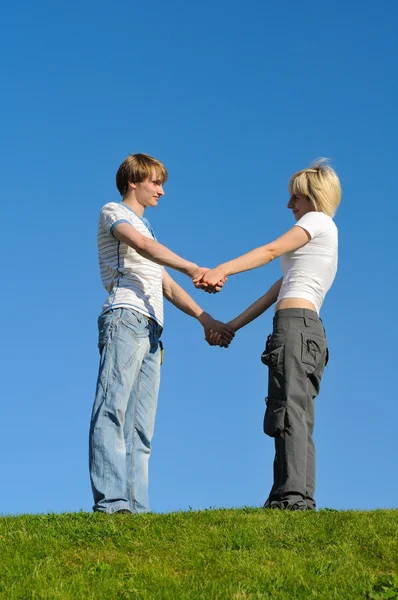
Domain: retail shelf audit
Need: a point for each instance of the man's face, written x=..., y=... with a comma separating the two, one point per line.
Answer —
x=149, y=191
x=300, y=205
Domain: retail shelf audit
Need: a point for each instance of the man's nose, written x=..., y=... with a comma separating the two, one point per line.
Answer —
x=161, y=190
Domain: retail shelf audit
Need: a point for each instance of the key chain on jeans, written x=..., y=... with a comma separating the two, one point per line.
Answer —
x=161, y=352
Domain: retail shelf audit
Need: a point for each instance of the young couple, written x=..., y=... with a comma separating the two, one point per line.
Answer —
x=132, y=270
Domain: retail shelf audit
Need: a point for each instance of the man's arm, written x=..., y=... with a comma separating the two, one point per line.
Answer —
x=152, y=250
x=255, y=310
x=175, y=294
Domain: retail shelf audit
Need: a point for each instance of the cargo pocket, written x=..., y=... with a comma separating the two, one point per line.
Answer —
x=272, y=355
x=275, y=418
x=310, y=351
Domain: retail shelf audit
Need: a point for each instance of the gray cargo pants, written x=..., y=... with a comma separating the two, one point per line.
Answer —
x=296, y=355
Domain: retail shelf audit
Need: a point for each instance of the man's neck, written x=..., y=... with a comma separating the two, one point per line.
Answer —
x=133, y=203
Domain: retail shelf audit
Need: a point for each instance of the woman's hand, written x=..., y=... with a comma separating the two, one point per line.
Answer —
x=212, y=278
x=216, y=339
x=201, y=285
x=223, y=333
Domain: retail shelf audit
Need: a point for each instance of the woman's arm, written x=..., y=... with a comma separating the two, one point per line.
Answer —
x=175, y=294
x=255, y=310
x=291, y=240
x=258, y=307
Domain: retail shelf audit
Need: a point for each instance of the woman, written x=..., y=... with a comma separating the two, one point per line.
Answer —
x=296, y=351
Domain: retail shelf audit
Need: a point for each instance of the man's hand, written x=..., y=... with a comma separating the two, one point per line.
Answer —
x=223, y=334
x=210, y=278
x=200, y=285
x=216, y=338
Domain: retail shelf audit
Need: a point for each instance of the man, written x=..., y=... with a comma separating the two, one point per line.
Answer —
x=130, y=326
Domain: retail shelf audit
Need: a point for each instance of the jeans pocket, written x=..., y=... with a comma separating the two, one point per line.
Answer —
x=275, y=418
x=135, y=322
x=105, y=326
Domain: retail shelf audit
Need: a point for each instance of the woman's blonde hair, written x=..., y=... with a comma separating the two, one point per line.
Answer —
x=320, y=185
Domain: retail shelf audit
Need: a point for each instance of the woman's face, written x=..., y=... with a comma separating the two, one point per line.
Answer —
x=300, y=205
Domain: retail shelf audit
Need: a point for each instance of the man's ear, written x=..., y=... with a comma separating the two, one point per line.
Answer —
x=132, y=185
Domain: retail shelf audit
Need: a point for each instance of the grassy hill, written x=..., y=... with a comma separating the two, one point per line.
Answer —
x=244, y=554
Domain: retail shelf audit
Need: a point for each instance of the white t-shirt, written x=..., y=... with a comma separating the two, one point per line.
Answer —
x=309, y=271
x=131, y=280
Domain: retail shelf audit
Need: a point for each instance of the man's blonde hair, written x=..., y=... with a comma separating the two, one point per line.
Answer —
x=136, y=168
x=320, y=184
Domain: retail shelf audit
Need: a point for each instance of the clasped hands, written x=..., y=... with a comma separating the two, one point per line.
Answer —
x=209, y=280
x=212, y=281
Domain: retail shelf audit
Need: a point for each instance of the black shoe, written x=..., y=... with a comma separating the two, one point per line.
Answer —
x=274, y=504
x=279, y=505
x=298, y=506
x=284, y=505
x=122, y=511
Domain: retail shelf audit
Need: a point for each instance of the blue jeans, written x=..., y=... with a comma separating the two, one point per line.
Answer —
x=123, y=416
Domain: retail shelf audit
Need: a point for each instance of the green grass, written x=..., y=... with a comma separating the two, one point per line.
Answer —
x=244, y=554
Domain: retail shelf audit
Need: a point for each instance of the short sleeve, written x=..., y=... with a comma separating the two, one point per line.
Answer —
x=312, y=222
x=149, y=227
x=111, y=215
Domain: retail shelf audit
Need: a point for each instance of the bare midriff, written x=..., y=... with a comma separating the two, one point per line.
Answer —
x=294, y=303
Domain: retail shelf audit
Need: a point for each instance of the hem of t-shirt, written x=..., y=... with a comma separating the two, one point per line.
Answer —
x=117, y=223
x=134, y=307
x=302, y=296
x=307, y=229
x=143, y=220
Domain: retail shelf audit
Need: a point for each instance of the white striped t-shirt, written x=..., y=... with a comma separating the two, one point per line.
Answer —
x=131, y=280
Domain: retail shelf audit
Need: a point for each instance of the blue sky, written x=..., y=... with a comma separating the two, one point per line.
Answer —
x=233, y=97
